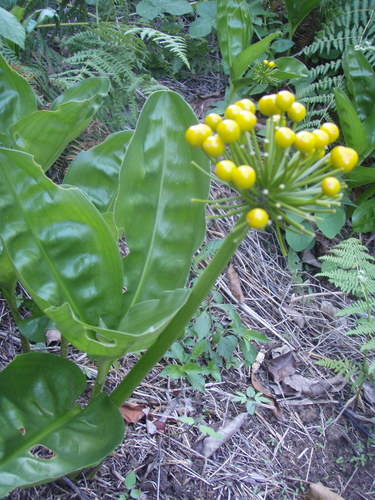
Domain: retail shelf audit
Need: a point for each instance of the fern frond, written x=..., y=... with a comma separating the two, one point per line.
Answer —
x=338, y=366
x=358, y=307
x=363, y=327
x=368, y=346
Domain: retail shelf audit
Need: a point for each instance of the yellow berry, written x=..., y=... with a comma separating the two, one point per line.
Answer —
x=244, y=177
x=297, y=112
x=331, y=186
x=224, y=170
x=246, y=104
x=271, y=64
x=304, y=141
x=266, y=62
x=228, y=130
x=284, y=137
x=321, y=138
x=197, y=134
x=332, y=130
x=246, y=120
x=212, y=120
x=232, y=111
x=284, y=99
x=213, y=145
x=267, y=105
x=344, y=158
x=257, y=218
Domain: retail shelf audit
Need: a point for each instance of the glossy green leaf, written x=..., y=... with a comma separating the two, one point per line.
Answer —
x=299, y=242
x=361, y=84
x=138, y=329
x=363, y=218
x=297, y=11
x=16, y=97
x=11, y=29
x=234, y=30
x=96, y=171
x=153, y=8
x=360, y=176
x=59, y=244
x=250, y=54
x=331, y=224
x=206, y=20
x=163, y=226
x=351, y=126
x=289, y=67
x=70, y=115
x=38, y=411
x=8, y=278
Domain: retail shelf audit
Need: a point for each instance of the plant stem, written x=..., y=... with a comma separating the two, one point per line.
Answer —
x=103, y=365
x=200, y=290
x=64, y=345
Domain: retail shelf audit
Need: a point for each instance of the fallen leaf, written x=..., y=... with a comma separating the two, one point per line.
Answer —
x=209, y=445
x=131, y=412
x=276, y=410
x=317, y=491
x=312, y=387
x=282, y=366
x=52, y=337
x=234, y=284
x=308, y=258
x=297, y=317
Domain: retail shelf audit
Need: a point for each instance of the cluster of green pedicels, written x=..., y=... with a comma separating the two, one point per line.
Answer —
x=292, y=177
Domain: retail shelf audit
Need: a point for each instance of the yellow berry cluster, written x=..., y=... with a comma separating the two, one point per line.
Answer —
x=285, y=175
x=269, y=64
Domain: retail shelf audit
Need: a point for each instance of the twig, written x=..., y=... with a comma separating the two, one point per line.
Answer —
x=76, y=490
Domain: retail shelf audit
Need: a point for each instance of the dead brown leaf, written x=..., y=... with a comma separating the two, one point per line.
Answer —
x=317, y=491
x=259, y=387
x=234, y=284
x=209, y=445
x=52, y=337
x=282, y=366
x=312, y=387
x=131, y=412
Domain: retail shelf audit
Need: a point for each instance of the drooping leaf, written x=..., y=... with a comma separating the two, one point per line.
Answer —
x=11, y=29
x=250, y=54
x=69, y=116
x=332, y=224
x=61, y=248
x=38, y=413
x=297, y=11
x=96, y=171
x=234, y=30
x=16, y=96
x=163, y=226
x=289, y=67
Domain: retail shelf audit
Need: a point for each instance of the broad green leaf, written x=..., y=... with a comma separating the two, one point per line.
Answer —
x=363, y=218
x=299, y=242
x=352, y=127
x=234, y=30
x=297, y=11
x=360, y=176
x=16, y=97
x=139, y=328
x=8, y=278
x=255, y=335
x=226, y=346
x=58, y=243
x=202, y=325
x=289, y=67
x=70, y=115
x=203, y=25
x=163, y=226
x=11, y=29
x=153, y=8
x=250, y=54
x=37, y=409
x=282, y=45
x=173, y=371
x=331, y=224
x=96, y=171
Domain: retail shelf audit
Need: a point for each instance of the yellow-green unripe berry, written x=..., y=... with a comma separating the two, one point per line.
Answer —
x=232, y=111
x=197, y=134
x=247, y=105
x=213, y=146
x=331, y=186
x=257, y=218
x=332, y=130
x=246, y=120
x=271, y=64
x=284, y=99
x=304, y=142
x=321, y=138
x=297, y=112
x=244, y=177
x=344, y=158
x=213, y=120
x=284, y=137
x=229, y=130
x=267, y=105
x=224, y=170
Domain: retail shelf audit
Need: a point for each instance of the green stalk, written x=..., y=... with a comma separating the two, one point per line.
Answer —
x=171, y=333
x=103, y=364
